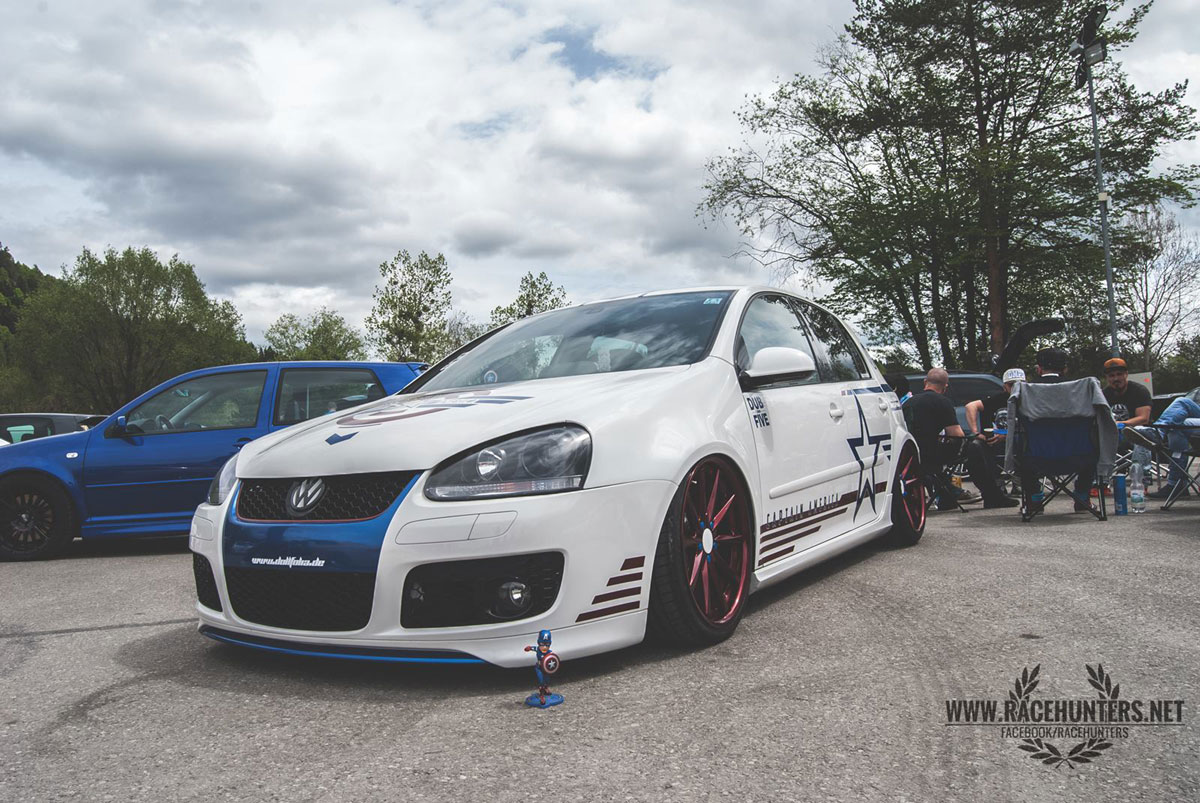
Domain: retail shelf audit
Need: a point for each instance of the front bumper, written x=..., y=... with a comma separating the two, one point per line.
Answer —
x=607, y=537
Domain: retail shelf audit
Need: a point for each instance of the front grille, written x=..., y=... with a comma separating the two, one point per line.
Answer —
x=347, y=497
x=206, y=583
x=465, y=592
x=301, y=600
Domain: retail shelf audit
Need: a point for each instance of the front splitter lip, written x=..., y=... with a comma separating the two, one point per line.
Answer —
x=347, y=652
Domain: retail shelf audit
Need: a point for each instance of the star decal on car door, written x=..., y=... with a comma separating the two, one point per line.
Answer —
x=865, y=440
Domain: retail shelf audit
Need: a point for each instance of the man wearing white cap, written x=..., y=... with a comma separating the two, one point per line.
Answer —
x=993, y=410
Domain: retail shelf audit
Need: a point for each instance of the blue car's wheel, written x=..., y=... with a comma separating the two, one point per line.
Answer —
x=36, y=519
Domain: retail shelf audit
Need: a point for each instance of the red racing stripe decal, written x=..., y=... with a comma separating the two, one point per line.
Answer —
x=624, y=606
x=624, y=592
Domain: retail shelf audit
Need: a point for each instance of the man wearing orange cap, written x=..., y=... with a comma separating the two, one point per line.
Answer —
x=1130, y=403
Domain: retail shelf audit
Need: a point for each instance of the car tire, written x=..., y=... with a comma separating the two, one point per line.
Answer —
x=37, y=519
x=908, y=500
x=704, y=559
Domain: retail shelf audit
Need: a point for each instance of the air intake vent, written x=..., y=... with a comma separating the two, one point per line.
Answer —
x=301, y=600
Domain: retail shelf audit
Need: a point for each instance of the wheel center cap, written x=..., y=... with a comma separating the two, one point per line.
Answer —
x=706, y=541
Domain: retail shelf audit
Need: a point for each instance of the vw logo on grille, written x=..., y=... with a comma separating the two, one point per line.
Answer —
x=304, y=495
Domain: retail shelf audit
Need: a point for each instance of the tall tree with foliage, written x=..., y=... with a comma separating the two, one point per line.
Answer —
x=324, y=335
x=536, y=294
x=938, y=173
x=117, y=324
x=408, y=318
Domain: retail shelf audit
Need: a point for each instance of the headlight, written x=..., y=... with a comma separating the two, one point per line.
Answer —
x=542, y=462
x=223, y=483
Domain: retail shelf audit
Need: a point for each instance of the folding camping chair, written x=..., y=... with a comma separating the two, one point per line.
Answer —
x=1061, y=430
x=1183, y=462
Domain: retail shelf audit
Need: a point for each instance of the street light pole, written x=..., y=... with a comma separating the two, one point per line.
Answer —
x=1102, y=194
x=1092, y=49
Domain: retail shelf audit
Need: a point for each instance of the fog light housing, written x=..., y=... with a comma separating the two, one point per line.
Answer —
x=513, y=598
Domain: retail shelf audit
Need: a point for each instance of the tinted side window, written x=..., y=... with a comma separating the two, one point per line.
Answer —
x=217, y=401
x=968, y=389
x=837, y=357
x=15, y=430
x=306, y=393
x=771, y=321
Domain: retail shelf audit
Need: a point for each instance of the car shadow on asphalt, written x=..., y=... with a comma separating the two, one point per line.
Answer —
x=83, y=548
x=180, y=655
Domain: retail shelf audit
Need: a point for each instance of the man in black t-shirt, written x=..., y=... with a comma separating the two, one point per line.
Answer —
x=930, y=414
x=1130, y=403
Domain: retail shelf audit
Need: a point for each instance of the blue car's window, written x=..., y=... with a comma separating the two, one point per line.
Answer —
x=216, y=401
x=306, y=393
x=622, y=335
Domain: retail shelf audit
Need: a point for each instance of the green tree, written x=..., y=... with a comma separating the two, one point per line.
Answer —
x=938, y=173
x=117, y=324
x=17, y=283
x=409, y=316
x=536, y=294
x=460, y=330
x=324, y=335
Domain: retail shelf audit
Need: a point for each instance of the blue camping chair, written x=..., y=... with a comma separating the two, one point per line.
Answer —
x=1059, y=450
x=1062, y=431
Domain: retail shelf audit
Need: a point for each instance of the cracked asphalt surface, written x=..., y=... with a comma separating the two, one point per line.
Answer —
x=833, y=688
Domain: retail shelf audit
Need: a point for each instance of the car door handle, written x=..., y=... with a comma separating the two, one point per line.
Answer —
x=240, y=442
x=883, y=404
x=835, y=412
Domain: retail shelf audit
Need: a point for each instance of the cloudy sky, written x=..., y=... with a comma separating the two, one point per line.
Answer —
x=287, y=148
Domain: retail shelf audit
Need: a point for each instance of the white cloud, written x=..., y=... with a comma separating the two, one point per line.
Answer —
x=286, y=149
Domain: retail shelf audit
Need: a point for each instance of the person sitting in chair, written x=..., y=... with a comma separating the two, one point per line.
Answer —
x=1183, y=412
x=1051, y=366
x=1130, y=403
x=931, y=413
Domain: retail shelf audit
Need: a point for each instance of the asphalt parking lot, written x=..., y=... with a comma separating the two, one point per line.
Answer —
x=833, y=688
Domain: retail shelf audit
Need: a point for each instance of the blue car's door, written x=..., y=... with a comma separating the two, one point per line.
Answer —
x=151, y=478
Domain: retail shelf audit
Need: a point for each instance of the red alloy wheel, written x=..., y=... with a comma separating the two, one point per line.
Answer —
x=912, y=488
x=715, y=533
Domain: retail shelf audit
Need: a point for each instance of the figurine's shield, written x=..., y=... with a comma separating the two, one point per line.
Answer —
x=550, y=663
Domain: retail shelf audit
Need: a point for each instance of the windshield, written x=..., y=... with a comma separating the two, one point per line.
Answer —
x=623, y=335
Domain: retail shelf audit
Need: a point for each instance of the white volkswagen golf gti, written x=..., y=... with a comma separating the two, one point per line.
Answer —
x=647, y=461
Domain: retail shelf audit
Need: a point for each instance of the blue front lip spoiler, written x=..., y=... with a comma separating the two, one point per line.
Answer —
x=343, y=653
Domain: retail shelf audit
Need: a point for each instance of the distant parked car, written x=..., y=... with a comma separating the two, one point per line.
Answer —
x=1161, y=401
x=18, y=427
x=145, y=468
x=964, y=387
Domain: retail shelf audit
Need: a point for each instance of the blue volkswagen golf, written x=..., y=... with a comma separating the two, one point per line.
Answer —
x=144, y=469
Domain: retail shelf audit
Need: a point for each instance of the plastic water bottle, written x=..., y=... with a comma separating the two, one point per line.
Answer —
x=1137, y=490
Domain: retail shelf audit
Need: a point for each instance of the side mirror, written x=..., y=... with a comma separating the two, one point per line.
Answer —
x=777, y=364
x=117, y=429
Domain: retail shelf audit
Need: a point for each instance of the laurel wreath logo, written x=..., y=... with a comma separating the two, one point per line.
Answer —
x=1046, y=752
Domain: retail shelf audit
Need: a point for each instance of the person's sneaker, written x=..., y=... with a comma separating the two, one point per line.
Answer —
x=1166, y=491
x=1149, y=439
x=966, y=497
x=1002, y=501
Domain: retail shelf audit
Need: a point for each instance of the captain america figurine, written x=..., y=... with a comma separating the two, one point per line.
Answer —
x=545, y=663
